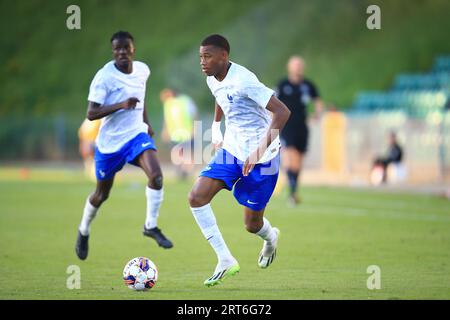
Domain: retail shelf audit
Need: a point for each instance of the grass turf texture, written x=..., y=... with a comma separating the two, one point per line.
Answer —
x=326, y=246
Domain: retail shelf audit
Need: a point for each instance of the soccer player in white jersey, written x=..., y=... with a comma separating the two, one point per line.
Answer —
x=117, y=95
x=247, y=158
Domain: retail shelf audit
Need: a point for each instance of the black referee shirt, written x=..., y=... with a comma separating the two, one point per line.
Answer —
x=296, y=97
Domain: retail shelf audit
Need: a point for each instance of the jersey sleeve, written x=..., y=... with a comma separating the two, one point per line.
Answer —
x=98, y=89
x=258, y=92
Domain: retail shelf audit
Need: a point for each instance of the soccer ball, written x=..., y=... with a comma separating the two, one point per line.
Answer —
x=140, y=274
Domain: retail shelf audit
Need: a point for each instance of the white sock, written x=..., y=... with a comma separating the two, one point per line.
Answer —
x=154, y=200
x=267, y=233
x=207, y=222
x=89, y=214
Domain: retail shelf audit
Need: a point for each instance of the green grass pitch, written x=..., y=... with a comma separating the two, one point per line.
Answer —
x=326, y=243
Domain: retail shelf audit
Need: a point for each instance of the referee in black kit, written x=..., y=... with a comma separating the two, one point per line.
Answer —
x=296, y=92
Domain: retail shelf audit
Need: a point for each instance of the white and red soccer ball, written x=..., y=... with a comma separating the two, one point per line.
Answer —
x=140, y=274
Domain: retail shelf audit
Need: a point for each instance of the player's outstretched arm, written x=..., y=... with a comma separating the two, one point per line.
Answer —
x=97, y=111
x=280, y=115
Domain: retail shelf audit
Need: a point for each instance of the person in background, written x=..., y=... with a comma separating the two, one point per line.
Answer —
x=394, y=156
x=180, y=113
x=296, y=92
x=87, y=133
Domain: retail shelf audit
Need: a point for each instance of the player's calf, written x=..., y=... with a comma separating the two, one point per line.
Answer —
x=98, y=197
x=156, y=181
x=197, y=200
x=254, y=226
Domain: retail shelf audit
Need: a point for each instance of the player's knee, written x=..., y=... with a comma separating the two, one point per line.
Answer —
x=98, y=198
x=156, y=181
x=252, y=226
x=196, y=200
x=103, y=196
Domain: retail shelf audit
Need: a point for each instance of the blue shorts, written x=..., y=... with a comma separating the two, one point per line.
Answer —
x=253, y=191
x=108, y=164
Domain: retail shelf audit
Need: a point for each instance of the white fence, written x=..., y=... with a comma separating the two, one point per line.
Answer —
x=426, y=146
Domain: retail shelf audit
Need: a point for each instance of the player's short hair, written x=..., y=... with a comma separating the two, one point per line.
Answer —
x=122, y=35
x=218, y=41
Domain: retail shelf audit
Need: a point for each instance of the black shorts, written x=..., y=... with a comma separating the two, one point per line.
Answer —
x=298, y=140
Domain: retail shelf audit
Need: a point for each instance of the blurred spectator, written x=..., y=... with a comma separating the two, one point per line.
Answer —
x=180, y=113
x=87, y=133
x=296, y=92
x=381, y=165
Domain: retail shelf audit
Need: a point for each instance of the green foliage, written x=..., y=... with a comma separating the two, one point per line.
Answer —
x=46, y=69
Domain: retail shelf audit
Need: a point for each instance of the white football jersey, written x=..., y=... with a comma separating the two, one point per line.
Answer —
x=111, y=86
x=243, y=100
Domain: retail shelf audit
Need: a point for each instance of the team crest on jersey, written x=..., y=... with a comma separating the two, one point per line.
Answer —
x=306, y=95
x=287, y=90
x=230, y=98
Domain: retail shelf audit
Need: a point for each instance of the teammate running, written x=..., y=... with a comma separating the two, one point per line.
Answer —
x=116, y=96
x=248, y=159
